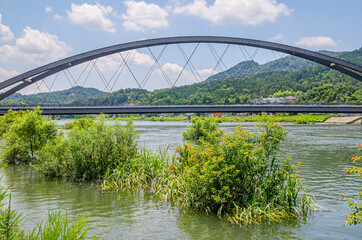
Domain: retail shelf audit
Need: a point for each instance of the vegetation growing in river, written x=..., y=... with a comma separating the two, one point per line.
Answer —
x=355, y=217
x=88, y=150
x=202, y=128
x=57, y=227
x=147, y=171
x=238, y=176
x=25, y=135
x=232, y=175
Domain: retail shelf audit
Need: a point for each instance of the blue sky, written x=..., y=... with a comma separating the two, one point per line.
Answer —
x=36, y=32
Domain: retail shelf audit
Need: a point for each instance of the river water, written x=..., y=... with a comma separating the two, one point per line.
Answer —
x=324, y=149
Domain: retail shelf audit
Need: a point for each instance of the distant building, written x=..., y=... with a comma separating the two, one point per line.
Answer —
x=275, y=100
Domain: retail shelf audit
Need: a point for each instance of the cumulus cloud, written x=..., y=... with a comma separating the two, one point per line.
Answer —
x=135, y=58
x=248, y=12
x=34, y=46
x=141, y=16
x=316, y=42
x=173, y=70
x=5, y=74
x=5, y=33
x=48, y=9
x=112, y=62
x=92, y=17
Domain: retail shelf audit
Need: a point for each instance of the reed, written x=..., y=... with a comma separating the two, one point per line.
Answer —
x=148, y=171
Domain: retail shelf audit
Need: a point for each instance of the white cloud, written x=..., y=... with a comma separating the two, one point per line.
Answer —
x=278, y=37
x=58, y=17
x=248, y=12
x=5, y=74
x=5, y=33
x=141, y=15
x=316, y=42
x=48, y=9
x=135, y=58
x=112, y=62
x=34, y=46
x=173, y=70
x=92, y=17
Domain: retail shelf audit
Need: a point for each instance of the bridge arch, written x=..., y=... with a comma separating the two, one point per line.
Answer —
x=42, y=72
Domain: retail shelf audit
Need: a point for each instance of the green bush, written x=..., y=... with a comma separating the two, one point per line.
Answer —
x=26, y=135
x=355, y=217
x=301, y=121
x=87, y=153
x=237, y=175
x=202, y=128
x=80, y=123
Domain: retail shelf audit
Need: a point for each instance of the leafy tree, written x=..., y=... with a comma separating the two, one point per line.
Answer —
x=28, y=133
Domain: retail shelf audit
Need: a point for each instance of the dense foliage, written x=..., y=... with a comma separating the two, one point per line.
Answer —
x=238, y=175
x=202, y=128
x=25, y=135
x=340, y=93
x=232, y=175
x=88, y=151
x=355, y=217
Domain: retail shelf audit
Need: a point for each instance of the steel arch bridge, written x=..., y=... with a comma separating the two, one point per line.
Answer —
x=26, y=79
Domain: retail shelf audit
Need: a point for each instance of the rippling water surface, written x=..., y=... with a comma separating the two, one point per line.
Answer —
x=324, y=149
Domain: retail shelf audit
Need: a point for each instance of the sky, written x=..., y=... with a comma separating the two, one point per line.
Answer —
x=36, y=32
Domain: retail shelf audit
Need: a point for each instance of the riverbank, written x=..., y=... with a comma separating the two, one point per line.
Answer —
x=282, y=118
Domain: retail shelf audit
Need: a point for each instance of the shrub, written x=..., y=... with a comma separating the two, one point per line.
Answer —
x=238, y=175
x=80, y=123
x=355, y=217
x=301, y=121
x=87, y=153
x=27, y=134
x=202, y=128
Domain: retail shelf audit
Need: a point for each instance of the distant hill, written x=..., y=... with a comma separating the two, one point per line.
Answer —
x=245, y=68
x=69, y=96
x=288, y=64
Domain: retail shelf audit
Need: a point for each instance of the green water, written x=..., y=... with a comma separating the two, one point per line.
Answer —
x=324, y=149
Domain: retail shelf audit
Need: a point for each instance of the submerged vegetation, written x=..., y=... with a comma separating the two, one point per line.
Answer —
x=355, y=217
x=57, y=227
x=235, y=176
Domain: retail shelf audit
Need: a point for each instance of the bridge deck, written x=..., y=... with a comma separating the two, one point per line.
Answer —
x=192, y=109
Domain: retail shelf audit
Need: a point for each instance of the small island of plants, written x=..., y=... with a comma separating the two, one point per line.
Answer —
x=233, y=176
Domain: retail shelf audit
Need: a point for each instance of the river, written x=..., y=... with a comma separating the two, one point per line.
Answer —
x=325, y=151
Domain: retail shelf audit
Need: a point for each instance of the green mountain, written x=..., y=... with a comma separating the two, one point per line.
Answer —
x=73, y=95
x=289, y=64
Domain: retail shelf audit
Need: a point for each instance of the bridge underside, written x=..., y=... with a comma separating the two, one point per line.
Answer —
x=193, y=109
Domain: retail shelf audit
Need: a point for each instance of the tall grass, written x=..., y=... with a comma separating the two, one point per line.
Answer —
x=57, y=227
x=147, y=171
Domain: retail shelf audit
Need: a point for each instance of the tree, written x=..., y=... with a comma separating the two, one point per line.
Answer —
x=27, y=134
